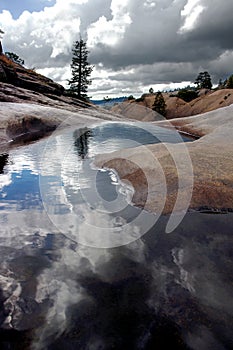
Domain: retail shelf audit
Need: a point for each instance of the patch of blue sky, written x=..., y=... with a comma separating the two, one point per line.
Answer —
x=17, y=7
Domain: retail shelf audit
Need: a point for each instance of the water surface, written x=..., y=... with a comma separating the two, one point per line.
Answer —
x=58, y=290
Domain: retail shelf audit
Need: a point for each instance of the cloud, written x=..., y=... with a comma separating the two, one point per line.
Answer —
x=45, y=38
x=110, y=32
x=135, y=42
x=191, y=12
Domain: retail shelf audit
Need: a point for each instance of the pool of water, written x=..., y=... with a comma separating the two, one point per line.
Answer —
x=81, y=268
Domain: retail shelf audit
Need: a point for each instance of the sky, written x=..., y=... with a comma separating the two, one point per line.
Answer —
x=133, y=44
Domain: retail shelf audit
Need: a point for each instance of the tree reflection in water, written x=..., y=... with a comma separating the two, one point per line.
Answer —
x=3, y=162
x=81, y=142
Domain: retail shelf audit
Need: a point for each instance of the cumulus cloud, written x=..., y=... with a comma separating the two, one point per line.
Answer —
x=132, y=44
x=191, y=12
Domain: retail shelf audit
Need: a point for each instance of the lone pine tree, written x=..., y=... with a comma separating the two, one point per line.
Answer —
x=1, y=32
x=81, y=70
x=203, y=81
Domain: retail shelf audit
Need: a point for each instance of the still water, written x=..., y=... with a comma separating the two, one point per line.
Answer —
x=80, y=271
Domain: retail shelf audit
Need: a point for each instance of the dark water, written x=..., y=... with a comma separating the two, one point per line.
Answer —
x=77, y=269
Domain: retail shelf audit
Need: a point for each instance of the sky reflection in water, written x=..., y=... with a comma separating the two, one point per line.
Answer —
x=159, y=291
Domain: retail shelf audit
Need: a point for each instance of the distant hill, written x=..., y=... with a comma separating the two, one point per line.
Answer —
x=176, y=107
x=108, y=103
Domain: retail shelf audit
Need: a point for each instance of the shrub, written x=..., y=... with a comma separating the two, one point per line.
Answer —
x=187, y=95
x=130, y=97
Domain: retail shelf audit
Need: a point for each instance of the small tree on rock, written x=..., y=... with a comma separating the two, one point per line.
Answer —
x=1, y=32
x=14, y=57
x=203, y=81
x=229, y=83
x=159, y=104
x=81, y=70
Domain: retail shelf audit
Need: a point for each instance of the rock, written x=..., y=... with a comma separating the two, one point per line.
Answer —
x=136, y=111
x=11, y=93
x=22, y=122
x=206, y=163
x=17, y=75
x=176, y=107
x=31, y=106
x=19, y=84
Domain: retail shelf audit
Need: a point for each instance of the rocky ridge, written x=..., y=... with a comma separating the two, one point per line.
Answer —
x=19, y=84
x=176, y=107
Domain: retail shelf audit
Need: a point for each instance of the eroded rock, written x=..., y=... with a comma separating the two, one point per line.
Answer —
x=176, y=107
x=209, y=169
x=27, y=122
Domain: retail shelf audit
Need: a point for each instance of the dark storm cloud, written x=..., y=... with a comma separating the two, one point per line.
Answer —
x=155, y=37
x=150, y=38
x=91, y=11
x=155, y=46
x=215, y=25
x=157, y=73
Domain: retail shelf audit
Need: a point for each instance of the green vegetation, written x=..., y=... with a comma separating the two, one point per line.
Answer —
x=159, y=104
x=107, y=99
x=81, y=70
x=1, y=32
x=229, y=82
x=187, y=95
x=14, y=57
x=226, y=84
x=203, y=81
x=130, y=97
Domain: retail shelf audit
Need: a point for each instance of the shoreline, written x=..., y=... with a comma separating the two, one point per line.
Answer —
x=210, y=181
x=205, y=180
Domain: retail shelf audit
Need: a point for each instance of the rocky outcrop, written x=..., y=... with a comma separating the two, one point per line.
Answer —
x=207, y=101
x=22, y=85
x=13, y=73
x=23, y=122
x=205, y=164
x=176, y=107
x=11, y=93
x=134, y=111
